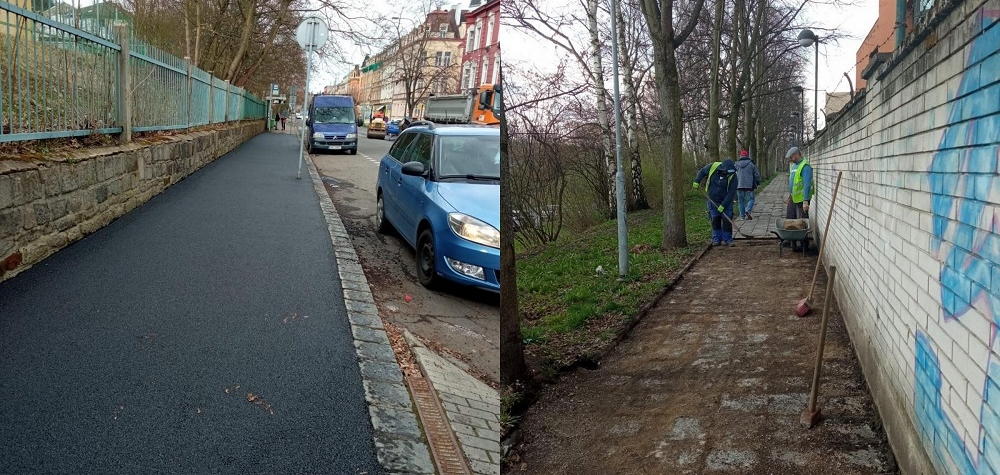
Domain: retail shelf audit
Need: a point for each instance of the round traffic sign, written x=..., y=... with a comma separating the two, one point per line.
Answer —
x=312, y=33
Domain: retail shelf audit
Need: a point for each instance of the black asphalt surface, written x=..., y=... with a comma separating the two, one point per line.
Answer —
x=203, y=332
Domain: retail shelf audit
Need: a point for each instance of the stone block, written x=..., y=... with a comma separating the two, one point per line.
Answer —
x=27, y=187
x=6, y=191
x=67, y=178
x=11, y=222
x=403, y=455
x=375, y=351
x=398, y=422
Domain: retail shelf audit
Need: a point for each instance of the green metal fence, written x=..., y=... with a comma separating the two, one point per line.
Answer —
x=60, y=81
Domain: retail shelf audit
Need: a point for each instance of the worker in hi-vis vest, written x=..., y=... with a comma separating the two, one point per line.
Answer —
x=721, y=188
x=800, y=186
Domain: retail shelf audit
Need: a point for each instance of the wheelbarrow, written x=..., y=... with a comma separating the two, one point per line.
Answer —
x=790, y=235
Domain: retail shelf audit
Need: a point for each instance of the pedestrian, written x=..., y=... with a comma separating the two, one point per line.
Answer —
x=277, y=118
x=721, y=190
x=800, y=189
x=748, y=178
x=283, y=118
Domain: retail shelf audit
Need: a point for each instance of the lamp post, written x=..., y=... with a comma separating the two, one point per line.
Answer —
x=802, y=108
x=806, y=39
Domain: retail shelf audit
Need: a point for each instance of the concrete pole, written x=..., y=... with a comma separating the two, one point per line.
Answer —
x=619, y=169
x=305, y=94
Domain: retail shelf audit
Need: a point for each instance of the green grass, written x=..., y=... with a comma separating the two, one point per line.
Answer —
x=560, y=291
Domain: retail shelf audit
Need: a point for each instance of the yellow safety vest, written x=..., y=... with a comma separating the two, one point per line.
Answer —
x=798, y=187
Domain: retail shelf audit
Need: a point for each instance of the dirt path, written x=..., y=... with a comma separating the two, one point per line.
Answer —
x=714, y=380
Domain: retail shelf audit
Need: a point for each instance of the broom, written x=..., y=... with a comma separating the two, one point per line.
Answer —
x=802, y=308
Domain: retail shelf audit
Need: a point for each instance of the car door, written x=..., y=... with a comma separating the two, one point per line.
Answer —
x=390, y=177
x=411, y=194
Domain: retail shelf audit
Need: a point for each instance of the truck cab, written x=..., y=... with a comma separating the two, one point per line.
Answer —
x=480, y=108
x=332, y=124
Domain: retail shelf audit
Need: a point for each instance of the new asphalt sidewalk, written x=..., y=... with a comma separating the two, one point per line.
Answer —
x=222, y=327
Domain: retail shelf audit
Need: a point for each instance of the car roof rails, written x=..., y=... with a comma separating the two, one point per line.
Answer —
x=429, y=124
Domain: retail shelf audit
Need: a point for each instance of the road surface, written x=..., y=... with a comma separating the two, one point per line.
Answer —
x=460, y=322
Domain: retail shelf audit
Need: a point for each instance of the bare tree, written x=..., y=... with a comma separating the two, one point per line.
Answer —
x=659, y=16
x=512, y=367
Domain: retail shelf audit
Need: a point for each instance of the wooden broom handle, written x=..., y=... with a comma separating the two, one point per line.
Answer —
x=819, y=259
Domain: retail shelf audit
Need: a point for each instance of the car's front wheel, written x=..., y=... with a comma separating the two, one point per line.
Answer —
x=426, y=267
x=381, y=224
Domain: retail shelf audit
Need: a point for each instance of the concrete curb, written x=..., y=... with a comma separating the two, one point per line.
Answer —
x=472, y=407
x=399, y=440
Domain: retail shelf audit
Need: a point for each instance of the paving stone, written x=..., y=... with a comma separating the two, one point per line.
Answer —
x=481, y=468
x=365, y=320
x=387, y=394
x=381, y=371
x=403, y=455
x=373, y=335
x=367, y=308
x=399, y=423
x=479, y=443
x=375, y=351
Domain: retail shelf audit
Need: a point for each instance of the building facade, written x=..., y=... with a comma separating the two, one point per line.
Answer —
x=424, y=61
x=481, y=48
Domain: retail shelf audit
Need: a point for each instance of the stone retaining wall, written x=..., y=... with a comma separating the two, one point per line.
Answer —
x=47, y=205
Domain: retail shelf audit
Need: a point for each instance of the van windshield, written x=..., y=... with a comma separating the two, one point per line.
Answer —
x=333, y=115
x=462, y=156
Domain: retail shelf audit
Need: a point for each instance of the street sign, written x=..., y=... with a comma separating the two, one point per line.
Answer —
x=274, y=89
x=312, y=33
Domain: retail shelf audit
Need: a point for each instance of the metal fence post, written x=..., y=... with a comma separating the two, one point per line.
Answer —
x=211, y=97
x=227, y=101
x=124, y=83
x=187, y=102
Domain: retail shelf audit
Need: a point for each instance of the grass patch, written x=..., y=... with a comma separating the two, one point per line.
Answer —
x=570, y=310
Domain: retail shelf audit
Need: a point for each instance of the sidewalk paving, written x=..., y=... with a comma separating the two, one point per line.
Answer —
x=714, y=380
x=770, y=206
x=472, y=408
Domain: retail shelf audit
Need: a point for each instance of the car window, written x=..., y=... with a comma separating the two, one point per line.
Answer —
x=465, y=155
x=399, y=148
x=421, y=150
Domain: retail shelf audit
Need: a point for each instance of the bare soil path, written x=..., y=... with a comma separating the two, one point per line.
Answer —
x=714, y=380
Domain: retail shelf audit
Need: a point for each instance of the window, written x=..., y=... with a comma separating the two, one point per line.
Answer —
x=496, y=68
x=421, y=150
x=470, y=45
x=479, y=32
x=466, y=74
x=489, y=30
x=443, y=30
x=399, y=148
x=485, y=74
x=442, y=59
x=472, y=76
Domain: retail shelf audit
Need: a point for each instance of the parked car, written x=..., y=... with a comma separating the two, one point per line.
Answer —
x=439, y=186
x=392, y=128
x=376, y=129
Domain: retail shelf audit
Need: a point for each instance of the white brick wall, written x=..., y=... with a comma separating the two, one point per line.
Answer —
x=897, y=286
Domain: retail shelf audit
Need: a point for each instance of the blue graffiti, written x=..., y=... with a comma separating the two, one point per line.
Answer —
x=963, y=177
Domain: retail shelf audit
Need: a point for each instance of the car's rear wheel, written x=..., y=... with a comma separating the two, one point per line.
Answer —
x=426, y=267
x=381, y=224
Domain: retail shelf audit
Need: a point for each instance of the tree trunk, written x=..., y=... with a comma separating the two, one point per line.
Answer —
x=512, y=366
x=637, y=199
x=597, y=77
x=713, y=95
x=249, y=16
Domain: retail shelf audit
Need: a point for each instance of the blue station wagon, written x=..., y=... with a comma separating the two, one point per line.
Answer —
x=439, y=186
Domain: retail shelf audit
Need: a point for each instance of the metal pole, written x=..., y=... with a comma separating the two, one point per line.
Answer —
x=305, y=95
x=816, y=94
x=620, y=173
x=802, y=117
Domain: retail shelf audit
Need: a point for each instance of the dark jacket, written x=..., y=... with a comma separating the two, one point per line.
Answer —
x=747, y=174
x=722, y=183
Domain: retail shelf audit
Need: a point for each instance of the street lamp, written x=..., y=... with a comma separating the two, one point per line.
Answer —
x=802, y=107
x=806, y=39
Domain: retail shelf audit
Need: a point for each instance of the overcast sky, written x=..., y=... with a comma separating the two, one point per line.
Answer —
x=834, y=59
